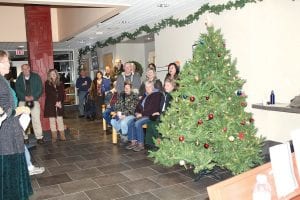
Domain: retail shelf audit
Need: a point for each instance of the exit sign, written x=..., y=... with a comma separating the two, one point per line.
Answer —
x=19, y=52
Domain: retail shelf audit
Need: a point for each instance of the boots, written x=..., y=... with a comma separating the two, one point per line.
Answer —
x=54, y=136
x=62, y=135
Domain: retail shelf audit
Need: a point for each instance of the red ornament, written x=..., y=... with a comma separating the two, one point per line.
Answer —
x=244, y=104
x=241, y=135
x=251, y=120
x=206, y=146
x=243, y=123
x=192, y=98
x=210, y=116
x=207, y=98
x=224, y=129
x=181, y=138
x=200, y=122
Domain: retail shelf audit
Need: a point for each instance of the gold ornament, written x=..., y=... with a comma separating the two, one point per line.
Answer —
x=197, y=143
x=197, y=78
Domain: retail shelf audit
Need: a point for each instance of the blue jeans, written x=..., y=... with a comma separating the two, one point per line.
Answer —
x=135, y=129
x=122, y=124
x=27, y=156
x=106, y=115
x=81, y=98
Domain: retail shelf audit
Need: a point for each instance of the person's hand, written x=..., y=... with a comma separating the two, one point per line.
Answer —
x=22, y=109
x=58, y=104
x=156, y=113
x=138, y=115
x=29, y=98
x=113, y=114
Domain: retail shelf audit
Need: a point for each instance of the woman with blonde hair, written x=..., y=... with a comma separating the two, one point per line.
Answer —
x=54, y=90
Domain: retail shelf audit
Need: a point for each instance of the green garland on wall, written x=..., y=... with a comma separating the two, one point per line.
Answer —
x=216, y=9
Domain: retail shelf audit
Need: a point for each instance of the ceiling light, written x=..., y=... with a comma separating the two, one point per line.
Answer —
x=124, y=22
x=99, y=33
x=163, y=5
x=21, y=46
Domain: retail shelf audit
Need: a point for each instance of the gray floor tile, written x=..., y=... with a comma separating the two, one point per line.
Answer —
x=169, y=179
x=67, y=160
x=139, y=163
x=53, y=180
x=139, y=186
x=110, y=179
x=114, y=168
x=175, y=192
x=139, y=173
x=78, y=186
x=142, y=196
x=62, y=169
x=89, y=163
x=106, y=193
x=74, y=196
x=46, y=192
x=85, y=173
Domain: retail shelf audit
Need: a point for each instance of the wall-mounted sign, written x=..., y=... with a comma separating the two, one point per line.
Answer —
x=19, y=52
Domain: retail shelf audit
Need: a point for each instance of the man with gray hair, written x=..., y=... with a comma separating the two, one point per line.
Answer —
x=29, y=89
x=128, y=75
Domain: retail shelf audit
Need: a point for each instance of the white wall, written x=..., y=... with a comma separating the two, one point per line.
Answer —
x=103, y=51
x=149, y=47
x=264, y=37
x=131, y=51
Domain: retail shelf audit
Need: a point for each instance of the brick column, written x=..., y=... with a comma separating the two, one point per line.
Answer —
x=39, y=45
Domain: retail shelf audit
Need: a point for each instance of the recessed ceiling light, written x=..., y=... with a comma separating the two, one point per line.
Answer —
x=163, y=5
x=124, y=22
x=99, y=33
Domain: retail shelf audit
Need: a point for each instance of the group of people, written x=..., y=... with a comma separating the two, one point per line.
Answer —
x=139, y=103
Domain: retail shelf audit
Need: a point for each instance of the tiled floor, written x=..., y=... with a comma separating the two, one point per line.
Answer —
x=89, y=167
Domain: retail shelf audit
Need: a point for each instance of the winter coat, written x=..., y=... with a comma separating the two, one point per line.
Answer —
x=151, y=105
x=126, y=103
x=11, y=132
x=36, y=86
x=53, y=94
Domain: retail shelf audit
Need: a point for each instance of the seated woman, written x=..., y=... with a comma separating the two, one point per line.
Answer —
x=152, y=132
x=125, y=106
x=150, y=76
x=149, y=104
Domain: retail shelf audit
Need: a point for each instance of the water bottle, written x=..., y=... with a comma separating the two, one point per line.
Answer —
x=262, y=188
x=272, y=97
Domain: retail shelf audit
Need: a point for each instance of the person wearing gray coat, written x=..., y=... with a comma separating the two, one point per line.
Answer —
x=14, y=176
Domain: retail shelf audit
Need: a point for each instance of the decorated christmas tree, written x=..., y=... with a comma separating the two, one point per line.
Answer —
x=207, y=125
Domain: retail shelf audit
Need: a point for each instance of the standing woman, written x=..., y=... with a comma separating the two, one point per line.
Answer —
x=54, y=90
x=14, y=176
x=97, y=93
x=173, y=73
